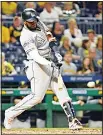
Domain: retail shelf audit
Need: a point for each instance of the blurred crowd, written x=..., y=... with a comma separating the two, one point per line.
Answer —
x=82, y=55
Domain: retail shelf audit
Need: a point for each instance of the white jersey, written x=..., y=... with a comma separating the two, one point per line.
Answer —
x=35, y=43
x=38, y=38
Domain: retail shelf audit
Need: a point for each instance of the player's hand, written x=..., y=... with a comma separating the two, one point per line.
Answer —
x=59, y=65
x=54, y=65
x=56, y=69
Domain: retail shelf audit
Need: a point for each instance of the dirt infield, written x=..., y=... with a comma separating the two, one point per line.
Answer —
x=38, y=131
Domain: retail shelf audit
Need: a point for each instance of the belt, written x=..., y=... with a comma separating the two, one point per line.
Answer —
x=45, y=58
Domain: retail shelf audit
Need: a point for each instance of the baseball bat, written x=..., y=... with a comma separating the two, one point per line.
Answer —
x=60, y=80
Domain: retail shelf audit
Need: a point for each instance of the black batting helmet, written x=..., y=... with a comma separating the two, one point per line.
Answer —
x=29, y=14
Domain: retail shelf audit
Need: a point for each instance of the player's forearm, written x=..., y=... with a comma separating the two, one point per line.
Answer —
x=39, y=59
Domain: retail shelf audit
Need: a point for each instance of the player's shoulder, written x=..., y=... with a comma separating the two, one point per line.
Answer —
x=25, y=35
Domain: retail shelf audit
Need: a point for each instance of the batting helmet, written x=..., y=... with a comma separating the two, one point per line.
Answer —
x=30, y=15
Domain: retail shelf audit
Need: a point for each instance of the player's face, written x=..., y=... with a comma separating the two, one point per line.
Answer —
x=31, y=25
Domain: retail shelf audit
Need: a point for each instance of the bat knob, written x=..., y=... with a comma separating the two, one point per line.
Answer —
x=59, y=65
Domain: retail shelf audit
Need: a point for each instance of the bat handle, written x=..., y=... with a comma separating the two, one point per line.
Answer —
x=59, y=65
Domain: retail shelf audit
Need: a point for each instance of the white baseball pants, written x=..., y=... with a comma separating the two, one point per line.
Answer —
x=40, y=78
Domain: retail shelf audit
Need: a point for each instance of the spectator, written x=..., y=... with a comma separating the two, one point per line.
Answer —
x=40, y=6
x=7, y=68
x=30, y=5
x=9, y=8
x=71, y=6
x=5, y=35
x=23, y=86
x=91, y=37
x=66, y=46
x=68, y=68
x=99, y=51
x=57, y=9
x=49, y=15
x=23, y=120
x=84, y=50
x=87, y=67
x=95, y=117
x=15, y=29
x=57, y=30
x=73, y=32
x=99, y=11
x=20, y=7
x=99, y=47
x=94, y=56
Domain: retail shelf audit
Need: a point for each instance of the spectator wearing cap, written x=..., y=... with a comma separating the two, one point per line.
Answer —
x=9, y=8
x=23, y=85
x=92, y=38
x=99, y=11
x=7, y=67
x=15, y=29
x=49, y=15
x=95, y=117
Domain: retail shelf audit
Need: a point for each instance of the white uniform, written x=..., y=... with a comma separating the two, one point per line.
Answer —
x=38, y=71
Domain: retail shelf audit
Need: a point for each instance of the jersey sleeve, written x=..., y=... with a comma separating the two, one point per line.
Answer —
x=32, y=52
x=43, y=26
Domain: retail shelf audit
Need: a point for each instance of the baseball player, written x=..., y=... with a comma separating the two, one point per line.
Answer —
x=41, y=70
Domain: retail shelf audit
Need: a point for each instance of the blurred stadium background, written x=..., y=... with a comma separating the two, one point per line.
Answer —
x=78, y=28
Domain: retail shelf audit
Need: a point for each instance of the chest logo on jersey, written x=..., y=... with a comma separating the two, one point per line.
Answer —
x=28, y=42
x=41, y=40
